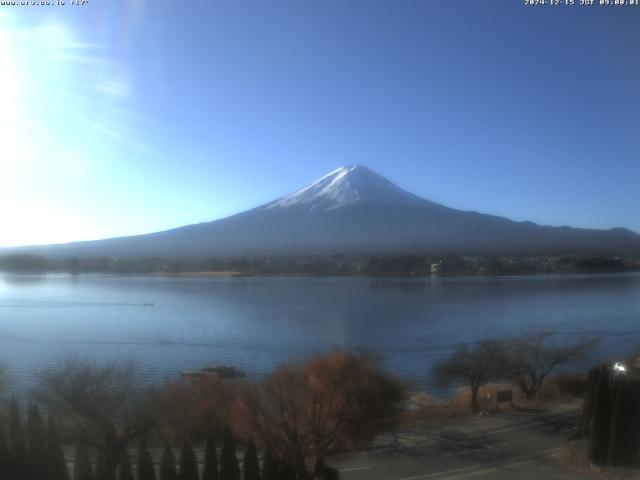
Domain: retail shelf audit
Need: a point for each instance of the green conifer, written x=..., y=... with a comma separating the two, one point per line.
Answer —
x=168, y=465
x=269, y=466
x=625, y=421
x=229, y=468
x=287, y=471
x=101, y=468
x=188, y=463
x=38, y=468
x=600, y=426
x=210, y=463
x=250, y=463
x=124, y=468
x=331, y=474
x=145, y=468
x=18, y=448
x=57, y=463
x=82, y=469
x=6, y=463
x=587, y=408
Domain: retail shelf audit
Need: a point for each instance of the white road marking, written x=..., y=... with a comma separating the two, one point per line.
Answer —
x=488, y=470
x=513, y=427
x=474, y=469
x=355, y=469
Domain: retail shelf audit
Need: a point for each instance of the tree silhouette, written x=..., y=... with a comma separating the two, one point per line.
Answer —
x=124, y=468
x=104, y=405
x=57, y=463
x=473, y=366
x=17, y=443
x=6, y=464
x=145, y=469
x=269, y=466
x=100, y=469
x=210, y=464
x=168, y=465
x=188, y=463
x=250, y=463
x=83, y=469
x=229, y=468
x=531, y=358
x=38, y=468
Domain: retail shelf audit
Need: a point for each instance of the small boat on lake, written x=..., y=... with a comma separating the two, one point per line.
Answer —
x=219, y=371
x=225, y=371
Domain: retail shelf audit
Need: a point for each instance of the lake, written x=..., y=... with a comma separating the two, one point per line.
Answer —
x=170, y=324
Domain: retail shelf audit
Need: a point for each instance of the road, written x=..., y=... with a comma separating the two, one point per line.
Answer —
x=510, y=445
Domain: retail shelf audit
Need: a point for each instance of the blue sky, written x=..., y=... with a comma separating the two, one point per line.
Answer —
x=127, y=116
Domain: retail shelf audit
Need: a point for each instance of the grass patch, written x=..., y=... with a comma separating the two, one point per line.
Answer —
x=573, y=456
x=558, y=389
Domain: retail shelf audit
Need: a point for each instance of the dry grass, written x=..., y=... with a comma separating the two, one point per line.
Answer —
x=574, y=457
x=429, y=409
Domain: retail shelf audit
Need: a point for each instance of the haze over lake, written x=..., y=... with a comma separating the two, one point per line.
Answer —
x=172, y=324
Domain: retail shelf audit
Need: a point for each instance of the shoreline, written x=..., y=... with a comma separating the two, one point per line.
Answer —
x=390, y=276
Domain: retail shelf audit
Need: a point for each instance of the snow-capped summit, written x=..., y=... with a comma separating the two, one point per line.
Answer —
x=346, y=186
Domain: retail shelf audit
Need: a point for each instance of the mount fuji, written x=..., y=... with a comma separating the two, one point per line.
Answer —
x=353, y=210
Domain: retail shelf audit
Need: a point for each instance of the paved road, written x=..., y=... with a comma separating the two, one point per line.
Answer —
x=510, y=445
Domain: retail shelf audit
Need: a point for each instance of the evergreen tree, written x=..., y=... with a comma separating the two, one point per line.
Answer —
x=56, y=463
x=320, y=467
x=17, y=443
x=287, y=471
x=229, y=468
x=600, y=427
x=250, y=463
x=587, y=408
x=38, y=468
x=145, y=468
x=16, y=433
x=124, y=468
x=188, y=463
x=210, y=467
x=101, y=468
x=625, y=421
x=82, y=470
x=269, y=466
x=331, y=474
x=6, y=464
x=168, y=465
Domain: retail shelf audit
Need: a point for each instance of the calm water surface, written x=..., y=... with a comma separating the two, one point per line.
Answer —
x=257, y=323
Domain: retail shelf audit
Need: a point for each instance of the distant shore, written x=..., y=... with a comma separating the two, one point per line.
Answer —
x=206, y=273
x=398, y=265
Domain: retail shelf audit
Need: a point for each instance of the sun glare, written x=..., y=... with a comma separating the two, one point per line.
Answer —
x=62, y=113
x=9, y=101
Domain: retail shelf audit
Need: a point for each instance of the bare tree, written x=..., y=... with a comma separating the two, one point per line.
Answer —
x=531, y=358
x=191, y=408
x=473, y=366
x=326, y=404
x=104, y=406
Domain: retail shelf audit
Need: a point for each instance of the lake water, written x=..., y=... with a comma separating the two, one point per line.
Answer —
x=256, y=322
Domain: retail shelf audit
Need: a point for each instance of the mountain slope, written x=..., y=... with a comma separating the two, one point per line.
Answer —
x=354, y=210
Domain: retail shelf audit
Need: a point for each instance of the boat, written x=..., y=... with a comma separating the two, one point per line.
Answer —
x=224, y=371
x=217, y=371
